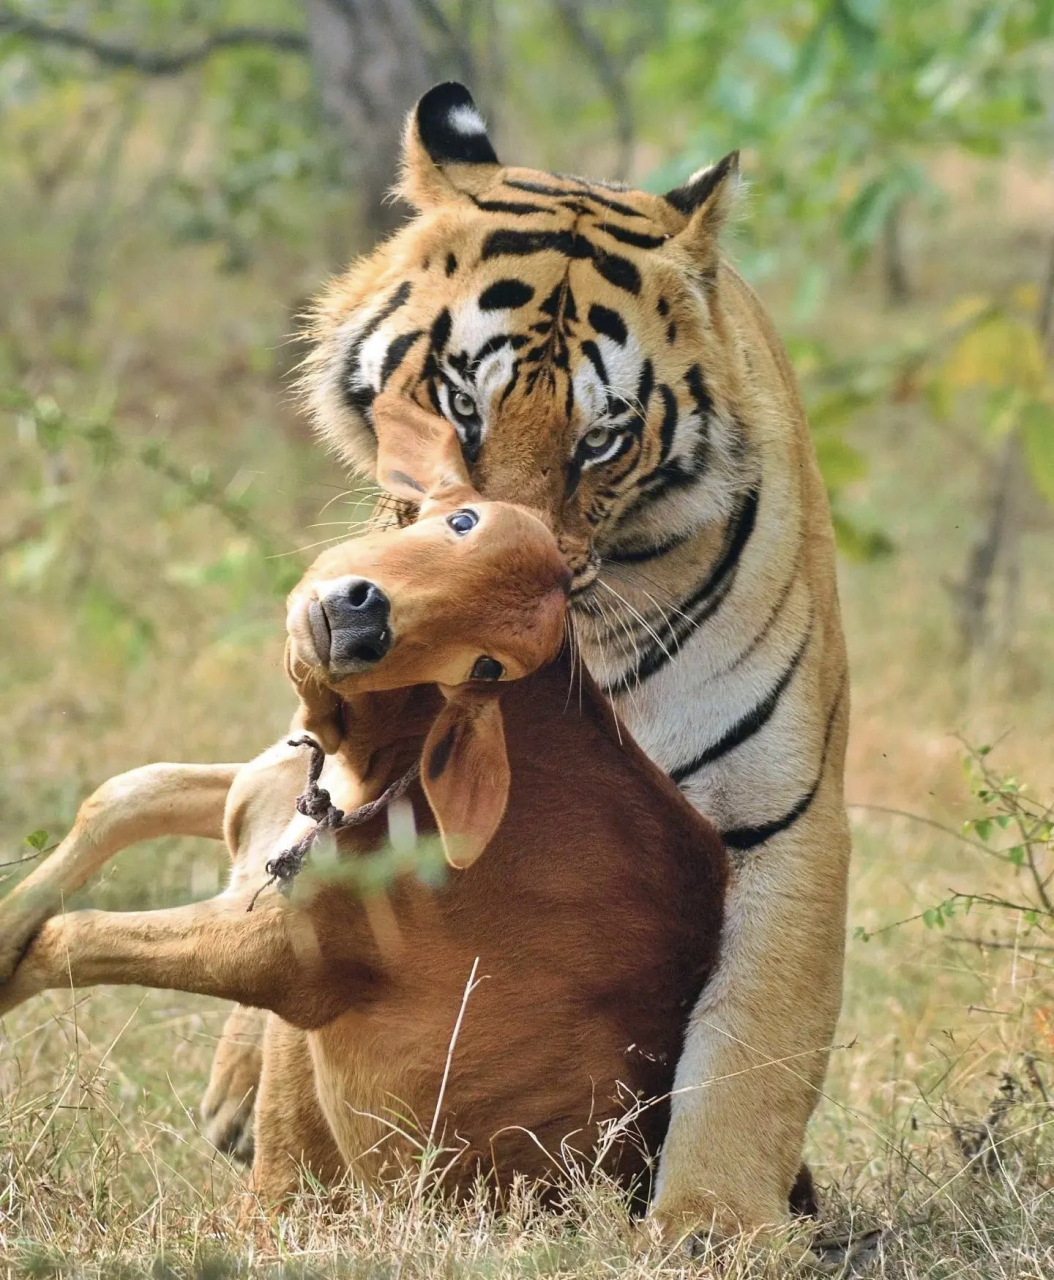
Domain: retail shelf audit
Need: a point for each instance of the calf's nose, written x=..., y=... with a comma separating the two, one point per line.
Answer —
x=351, y=628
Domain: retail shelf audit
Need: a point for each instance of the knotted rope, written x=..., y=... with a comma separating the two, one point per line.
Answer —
x=315, y=802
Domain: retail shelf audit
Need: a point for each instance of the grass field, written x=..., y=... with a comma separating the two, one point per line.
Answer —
x=140, y=623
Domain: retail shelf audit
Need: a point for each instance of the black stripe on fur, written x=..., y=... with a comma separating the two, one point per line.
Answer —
x=744, y=838
x=360, y=398
x=702, y=604
x=748, y=725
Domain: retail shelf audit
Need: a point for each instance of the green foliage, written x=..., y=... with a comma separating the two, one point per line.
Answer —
x=843, y=107
x=1016, y=833
x=56, y=554
x=844, y=102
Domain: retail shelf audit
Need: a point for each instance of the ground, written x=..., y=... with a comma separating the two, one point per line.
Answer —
x=139, y=623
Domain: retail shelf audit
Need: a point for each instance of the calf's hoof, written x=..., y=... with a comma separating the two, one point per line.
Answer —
x=228, y=1109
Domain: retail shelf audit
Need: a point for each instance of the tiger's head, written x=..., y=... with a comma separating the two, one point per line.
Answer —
x=573, y=332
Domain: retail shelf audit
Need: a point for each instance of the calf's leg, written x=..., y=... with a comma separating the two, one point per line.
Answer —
x=227, y=1107
x=292, y=1133
x=156, y=800
x=268, y=957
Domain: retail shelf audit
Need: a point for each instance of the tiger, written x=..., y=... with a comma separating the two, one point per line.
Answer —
x=603, y=362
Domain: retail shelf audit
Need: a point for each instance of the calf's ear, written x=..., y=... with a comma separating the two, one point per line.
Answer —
x=465, y=774
x=418, y=452
x=321, y=710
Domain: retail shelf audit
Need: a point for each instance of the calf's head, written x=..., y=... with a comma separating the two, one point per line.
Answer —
x=472, y=594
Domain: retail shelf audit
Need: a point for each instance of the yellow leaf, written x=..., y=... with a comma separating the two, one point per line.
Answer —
x=966, y=308
x=1026, y=296
x=998, y=352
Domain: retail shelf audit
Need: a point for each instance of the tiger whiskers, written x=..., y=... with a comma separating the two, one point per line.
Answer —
x=636, y=576
x=661, y=611
x=630, y=651
x=635, y=613
x=574, y=649
x=360, y=491
x=322, y=542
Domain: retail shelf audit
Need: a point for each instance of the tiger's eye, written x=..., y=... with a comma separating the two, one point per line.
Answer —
x=464, y=405
x=597, y=438
x=487, y=669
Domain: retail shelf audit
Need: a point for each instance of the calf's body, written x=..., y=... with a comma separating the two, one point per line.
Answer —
x=595, y=917
x=592, y=922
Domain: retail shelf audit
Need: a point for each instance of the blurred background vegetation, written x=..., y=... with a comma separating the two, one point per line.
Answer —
x=178, y=177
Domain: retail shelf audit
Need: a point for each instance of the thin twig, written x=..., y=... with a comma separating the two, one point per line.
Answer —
x=148, y=61
x=28, y=858
x=927, y=822
x=982, y=943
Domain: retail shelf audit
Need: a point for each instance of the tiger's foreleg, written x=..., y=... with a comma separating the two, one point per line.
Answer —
x=757, y=1045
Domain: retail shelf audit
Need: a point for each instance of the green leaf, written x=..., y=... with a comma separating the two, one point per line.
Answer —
x=1016, y=855
x=983, y=827
x=840, y=463
x=858, y=543
x=866, y=12
x=863, y=220
x=930, y=917
x=860, y=934
x=37, y=839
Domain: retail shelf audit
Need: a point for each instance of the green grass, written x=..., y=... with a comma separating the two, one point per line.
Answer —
x=139, y=624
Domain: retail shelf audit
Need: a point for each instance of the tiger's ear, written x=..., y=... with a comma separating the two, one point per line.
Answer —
x=706, y=200
x=465, y=774
x=447, y=155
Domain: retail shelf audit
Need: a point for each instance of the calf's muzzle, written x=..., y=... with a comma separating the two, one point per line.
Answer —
x=350, y=625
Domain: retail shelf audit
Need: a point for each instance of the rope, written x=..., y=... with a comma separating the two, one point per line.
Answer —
x=315, y=802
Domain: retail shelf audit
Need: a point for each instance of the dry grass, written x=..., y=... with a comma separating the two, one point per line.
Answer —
x=138, y=624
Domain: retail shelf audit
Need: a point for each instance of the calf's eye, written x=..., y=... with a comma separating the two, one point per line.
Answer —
x=462, y=521
x=487, y=669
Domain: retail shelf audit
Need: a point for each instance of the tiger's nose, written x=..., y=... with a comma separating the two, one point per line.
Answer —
x=351, y=625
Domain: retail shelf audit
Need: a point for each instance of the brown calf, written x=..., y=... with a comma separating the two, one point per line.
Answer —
x=586, y=896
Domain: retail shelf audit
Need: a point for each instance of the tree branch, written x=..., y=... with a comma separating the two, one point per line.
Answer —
x=146, y=61
x=1046, y=304
x=458, y=50
x=611, y=73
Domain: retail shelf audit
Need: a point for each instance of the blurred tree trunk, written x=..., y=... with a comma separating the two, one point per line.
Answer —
x=612, y=69
x=996, y=548
x=996, y=553
x=372, y=64
x=894, y=265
